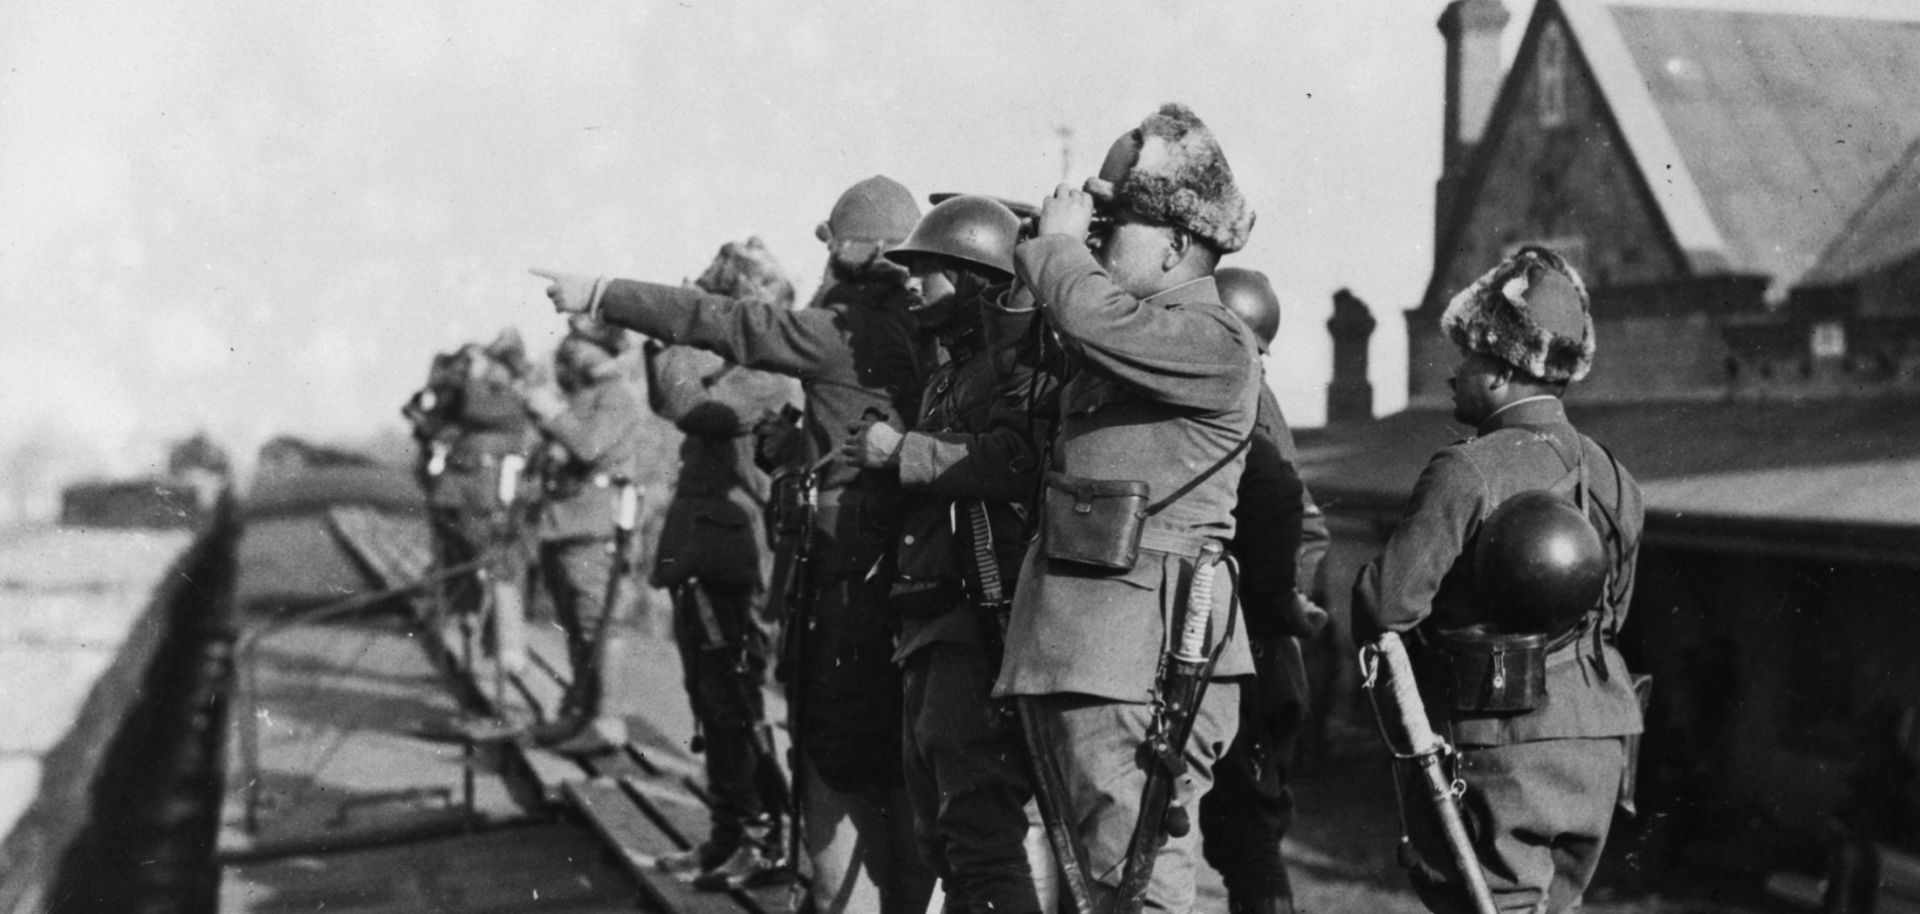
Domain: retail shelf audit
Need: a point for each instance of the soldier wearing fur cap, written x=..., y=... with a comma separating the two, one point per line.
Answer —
x=589, y=420
x=473, y=431
x=711, y=558
x=1157, y=405
x=1543, y=773
x=857, y=352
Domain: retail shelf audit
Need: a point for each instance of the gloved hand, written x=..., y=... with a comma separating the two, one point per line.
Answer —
x=572, y=293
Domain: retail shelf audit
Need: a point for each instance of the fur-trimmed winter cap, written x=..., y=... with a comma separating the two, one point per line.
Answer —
x=877, y=209
x=1169, y=169
x=746, y=269
x=1530, y=312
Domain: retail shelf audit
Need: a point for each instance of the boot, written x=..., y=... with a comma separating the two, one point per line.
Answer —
x=700, y=858
x=756, y=862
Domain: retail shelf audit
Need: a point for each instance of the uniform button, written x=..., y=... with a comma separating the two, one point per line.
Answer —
x=908, y=539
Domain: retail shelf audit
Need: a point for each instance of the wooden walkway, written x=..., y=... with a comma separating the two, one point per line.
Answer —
x=645, y=801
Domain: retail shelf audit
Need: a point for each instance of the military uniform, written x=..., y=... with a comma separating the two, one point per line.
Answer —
x=1160, y=390
x=591, y=445
x=482, y=424
x=1250, y=807
x=857, y=353
x=1541, y=785
x=711, y=557
x=974, y=448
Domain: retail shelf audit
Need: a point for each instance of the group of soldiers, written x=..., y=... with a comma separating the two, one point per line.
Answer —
x=1042, y=560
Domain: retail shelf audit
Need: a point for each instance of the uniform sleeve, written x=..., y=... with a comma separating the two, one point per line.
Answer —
x=1315, y=540
x=601, y=428
x=1189, y=357
x=752, y=333
x=1395, y=591
x=998, y=464
x=689, y=387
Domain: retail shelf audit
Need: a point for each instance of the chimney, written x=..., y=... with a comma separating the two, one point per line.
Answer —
x=1350, y=396
x=1472, y=31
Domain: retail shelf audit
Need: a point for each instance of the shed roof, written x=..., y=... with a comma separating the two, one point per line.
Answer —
x=1831, y=478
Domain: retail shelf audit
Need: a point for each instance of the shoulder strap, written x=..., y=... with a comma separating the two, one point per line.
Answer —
x=1206, y=474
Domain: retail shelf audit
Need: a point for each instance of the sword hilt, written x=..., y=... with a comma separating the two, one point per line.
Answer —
x=1192, y=646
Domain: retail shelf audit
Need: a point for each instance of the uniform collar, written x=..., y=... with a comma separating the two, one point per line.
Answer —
x=1544, y=409
x=1193, y=290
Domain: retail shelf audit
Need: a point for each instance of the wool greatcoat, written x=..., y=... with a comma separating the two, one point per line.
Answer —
x=711, y=555
x=855, y=349
x=1541, y=785
x=974, y=447
x=1158, y=390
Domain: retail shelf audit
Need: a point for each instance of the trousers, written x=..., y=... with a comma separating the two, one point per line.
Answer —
x=1537, y=813
x=1250, y=808
x=723, y=656
x=967, y=780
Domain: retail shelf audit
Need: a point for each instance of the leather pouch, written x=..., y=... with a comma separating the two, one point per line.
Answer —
x=1094, y=522
x=1477, y=671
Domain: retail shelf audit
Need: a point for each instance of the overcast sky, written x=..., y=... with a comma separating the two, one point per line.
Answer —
x=258, y=218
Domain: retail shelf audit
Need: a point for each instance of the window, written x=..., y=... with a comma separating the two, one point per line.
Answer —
x=1829, y=340
x=1551, y=78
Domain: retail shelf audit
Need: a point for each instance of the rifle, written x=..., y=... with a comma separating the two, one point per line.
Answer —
x=620, y=579
x=799, y=597
x=1049, y=783
x=1183, y=685
x=1427, y=749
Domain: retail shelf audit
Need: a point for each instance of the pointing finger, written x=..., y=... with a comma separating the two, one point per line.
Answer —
x=550, y=275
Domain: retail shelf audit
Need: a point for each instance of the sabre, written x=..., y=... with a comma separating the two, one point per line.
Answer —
x=1183, y=687
x=1426, y=749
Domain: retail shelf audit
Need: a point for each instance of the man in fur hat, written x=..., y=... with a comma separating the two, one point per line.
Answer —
x=589, y=418
x=857, y=352
x=711, y=559
x=471, y=429
x=1541, y=785
x=1162, y=388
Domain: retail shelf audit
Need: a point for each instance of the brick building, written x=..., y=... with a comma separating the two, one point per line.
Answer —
x=1740, y=184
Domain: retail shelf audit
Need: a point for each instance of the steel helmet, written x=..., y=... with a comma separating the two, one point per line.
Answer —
x=1248, y=294
x=1539, y=563
x=977, y=231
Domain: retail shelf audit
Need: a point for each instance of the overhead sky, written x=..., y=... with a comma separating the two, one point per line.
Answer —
x=257, y=218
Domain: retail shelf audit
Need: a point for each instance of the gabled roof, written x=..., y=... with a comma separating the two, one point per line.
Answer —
x=1884, y=231
x=1831, y=478
x=1760, y=129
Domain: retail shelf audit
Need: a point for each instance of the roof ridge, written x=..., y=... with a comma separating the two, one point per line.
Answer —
x=1889, y=10
x=1824, y=271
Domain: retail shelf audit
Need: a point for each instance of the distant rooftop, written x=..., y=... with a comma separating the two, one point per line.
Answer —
x=1767, y=129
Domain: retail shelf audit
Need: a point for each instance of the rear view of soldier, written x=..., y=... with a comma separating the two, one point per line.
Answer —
x=711, y=559
x=1512, y=645
x=475, y=437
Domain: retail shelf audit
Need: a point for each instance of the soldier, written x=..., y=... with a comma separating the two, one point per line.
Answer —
x=589, y=417
x=1248, y=811
x=1543, y=773
x=711, y=559
x=857, y=352
x=474, y=432
x=968, y=469
x=1158, y=403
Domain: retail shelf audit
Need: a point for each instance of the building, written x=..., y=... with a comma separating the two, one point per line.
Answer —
x=1741, y=187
